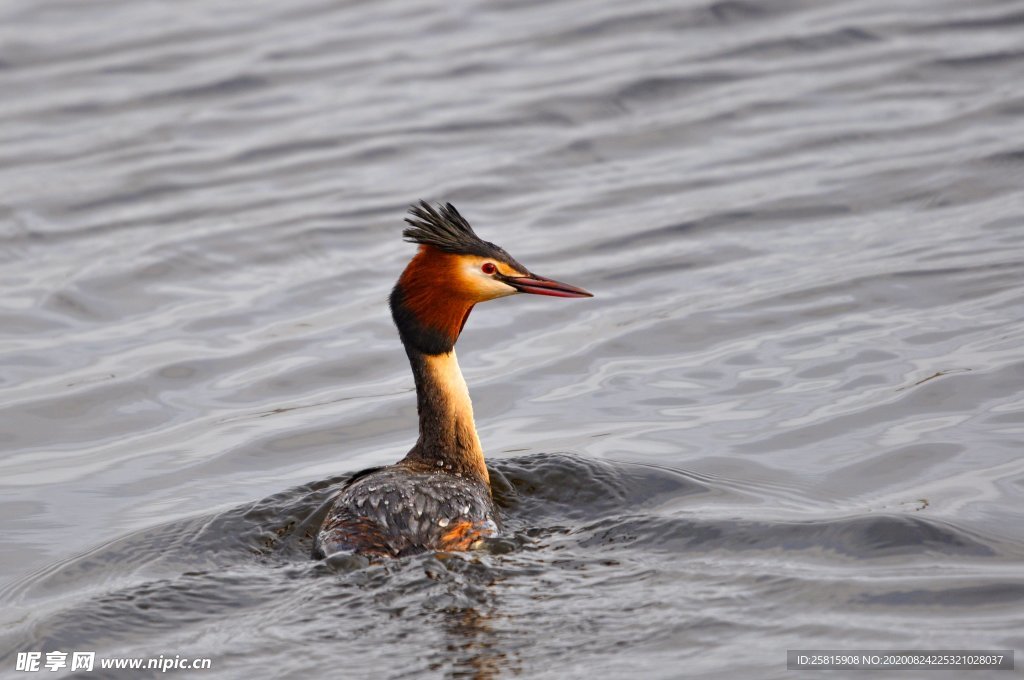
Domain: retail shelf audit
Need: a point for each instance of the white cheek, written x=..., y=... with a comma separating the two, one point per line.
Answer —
x=500, y=289
x=488, y=285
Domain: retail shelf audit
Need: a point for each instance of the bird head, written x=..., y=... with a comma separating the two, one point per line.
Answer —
x=454, y=270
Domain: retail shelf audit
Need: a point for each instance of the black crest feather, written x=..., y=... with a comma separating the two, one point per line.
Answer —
x=445, y=229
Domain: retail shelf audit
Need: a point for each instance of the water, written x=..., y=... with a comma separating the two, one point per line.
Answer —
x=791, y=418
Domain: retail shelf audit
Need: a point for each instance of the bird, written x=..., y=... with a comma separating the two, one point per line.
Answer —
x=438, y=497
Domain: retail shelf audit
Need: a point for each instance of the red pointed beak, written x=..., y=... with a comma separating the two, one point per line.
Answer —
x=538, y=285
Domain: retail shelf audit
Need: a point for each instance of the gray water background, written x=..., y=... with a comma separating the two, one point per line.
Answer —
x=803, y=222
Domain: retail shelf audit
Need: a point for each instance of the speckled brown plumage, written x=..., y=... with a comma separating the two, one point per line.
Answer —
x=401, y=510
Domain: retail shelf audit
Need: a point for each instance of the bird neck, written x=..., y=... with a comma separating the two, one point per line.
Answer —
x=448, y=440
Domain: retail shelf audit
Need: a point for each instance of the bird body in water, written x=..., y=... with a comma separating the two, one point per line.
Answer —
x=438, y=497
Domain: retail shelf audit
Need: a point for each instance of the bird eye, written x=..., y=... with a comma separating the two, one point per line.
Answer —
x=488, y=268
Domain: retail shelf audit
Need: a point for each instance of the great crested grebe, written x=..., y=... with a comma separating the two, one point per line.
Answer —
x=438, y=497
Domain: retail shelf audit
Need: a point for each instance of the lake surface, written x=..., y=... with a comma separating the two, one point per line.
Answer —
x=791, y=418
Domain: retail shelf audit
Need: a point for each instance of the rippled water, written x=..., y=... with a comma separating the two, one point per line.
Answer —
x=792, y=417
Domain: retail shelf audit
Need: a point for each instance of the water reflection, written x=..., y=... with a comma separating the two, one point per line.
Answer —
x=472, y=647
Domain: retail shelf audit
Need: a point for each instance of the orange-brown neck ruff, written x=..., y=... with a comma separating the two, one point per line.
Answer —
x=430, y=303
